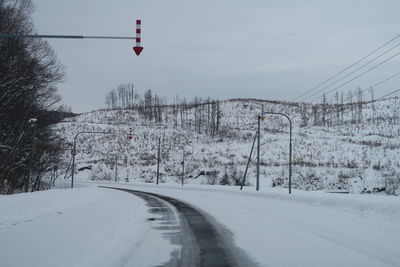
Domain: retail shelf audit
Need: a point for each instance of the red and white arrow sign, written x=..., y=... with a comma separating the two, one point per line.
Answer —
x=138, y=49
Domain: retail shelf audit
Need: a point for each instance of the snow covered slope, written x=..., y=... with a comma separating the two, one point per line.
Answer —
x=357, y=149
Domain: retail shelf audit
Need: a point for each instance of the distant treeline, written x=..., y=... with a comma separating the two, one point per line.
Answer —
x=205, y=112
x=201, y=115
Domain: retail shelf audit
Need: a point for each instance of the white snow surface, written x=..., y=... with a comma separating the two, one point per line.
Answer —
x=94, y=226
x=78, y=227
x=302, y=229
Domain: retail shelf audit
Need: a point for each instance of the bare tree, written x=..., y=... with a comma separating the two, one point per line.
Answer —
x=29, y=72
x=359, y=104
x=324, y=110
x=371, y=90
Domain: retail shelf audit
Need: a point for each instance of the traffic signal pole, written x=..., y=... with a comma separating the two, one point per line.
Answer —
x=52, y=36
x=138, y=48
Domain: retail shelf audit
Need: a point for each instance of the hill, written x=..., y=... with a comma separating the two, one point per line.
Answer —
x=351, y=147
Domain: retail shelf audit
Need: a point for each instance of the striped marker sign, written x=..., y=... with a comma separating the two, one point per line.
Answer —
x=138, y=49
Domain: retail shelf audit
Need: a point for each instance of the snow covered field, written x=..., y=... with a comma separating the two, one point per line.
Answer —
x=92, y=226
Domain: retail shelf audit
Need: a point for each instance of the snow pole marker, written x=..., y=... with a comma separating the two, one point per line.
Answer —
x=138, y=49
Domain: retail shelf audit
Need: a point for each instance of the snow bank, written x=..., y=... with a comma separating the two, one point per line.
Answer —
x=27, y=207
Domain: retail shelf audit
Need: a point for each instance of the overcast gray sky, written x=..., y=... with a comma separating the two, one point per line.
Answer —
x=219, y=48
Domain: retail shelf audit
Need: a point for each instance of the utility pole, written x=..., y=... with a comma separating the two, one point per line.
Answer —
x=258, y=154
x=73, y=152
x=183, y=155
x=116, y=169
x=290, y=156
x=158, y=159
x=183, y=164
x=248, y=162
x=260, y=117
x=33, y=124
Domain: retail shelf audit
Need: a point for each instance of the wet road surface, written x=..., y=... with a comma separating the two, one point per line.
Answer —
x=199, y=242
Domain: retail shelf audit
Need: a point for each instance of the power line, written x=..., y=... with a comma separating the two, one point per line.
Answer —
x=347, y=111
x=345, y=69
x=351, y=109
x=387, y=79
x=355, y=106
x=376, y=84
x=356, y=77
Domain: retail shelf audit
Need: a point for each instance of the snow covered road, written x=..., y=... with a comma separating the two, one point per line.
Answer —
x=101, y=227
x=200, y=243
x=305, y=229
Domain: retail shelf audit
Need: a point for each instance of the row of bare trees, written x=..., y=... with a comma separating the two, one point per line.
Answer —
x=200, y=115
x=125, y=96
x=339, y=109
x=29, y=72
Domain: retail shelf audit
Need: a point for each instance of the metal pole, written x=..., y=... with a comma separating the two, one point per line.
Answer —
x=74, y=152
x=258, y=155
x=55, y=175
x=290, y=146
x=46, y=36
x=158, y=159
x=33, y=123
x=66, y=173
x=183, y=164
x=290, y=156
x=116, y=170
x=183, y=157
x=248, y=162
x=73, y=161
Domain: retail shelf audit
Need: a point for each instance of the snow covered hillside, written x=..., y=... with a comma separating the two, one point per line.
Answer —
x=349, y=147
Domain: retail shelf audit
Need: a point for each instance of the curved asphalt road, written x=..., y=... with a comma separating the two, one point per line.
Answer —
x=201, y=244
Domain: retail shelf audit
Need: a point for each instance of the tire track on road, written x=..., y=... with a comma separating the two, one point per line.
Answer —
x=201, y=244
